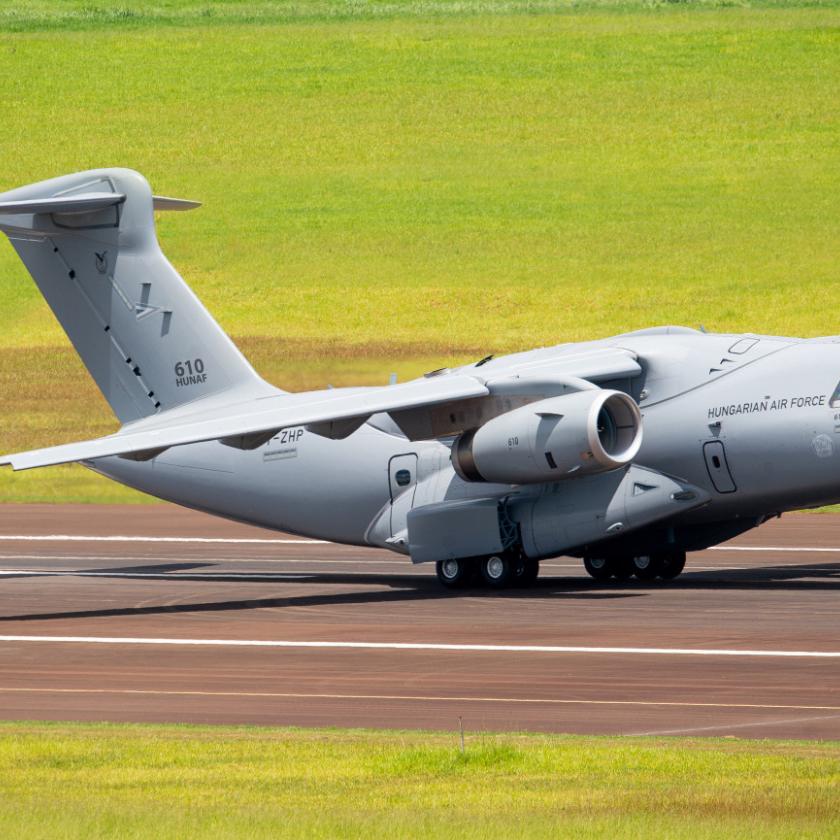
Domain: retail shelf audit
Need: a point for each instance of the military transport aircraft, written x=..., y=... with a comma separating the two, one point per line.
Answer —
x=482, y=469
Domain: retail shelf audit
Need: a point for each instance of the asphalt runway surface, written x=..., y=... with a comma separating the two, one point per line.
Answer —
x=154, y=613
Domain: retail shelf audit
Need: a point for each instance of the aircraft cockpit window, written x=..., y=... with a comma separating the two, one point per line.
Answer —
x=835, y=397
x=743, y=345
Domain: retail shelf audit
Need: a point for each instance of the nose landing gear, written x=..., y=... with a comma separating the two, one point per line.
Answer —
x=665, y=565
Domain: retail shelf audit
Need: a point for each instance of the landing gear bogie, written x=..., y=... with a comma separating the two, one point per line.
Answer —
x=671, y=564
x=496, y=571
x=664, y=565
x=456, y=573
x=526, y=571
x=599, y=568
x=645, y=566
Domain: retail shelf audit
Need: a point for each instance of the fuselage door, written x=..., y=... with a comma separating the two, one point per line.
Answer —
x=402, y=480
x=718, y=467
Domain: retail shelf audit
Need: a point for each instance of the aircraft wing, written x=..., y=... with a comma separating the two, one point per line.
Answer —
x=417, y=406
x=257, y=420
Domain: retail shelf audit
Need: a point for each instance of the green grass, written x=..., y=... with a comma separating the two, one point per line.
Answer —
x=52, y=15
x=96, y=780
x=433, y=180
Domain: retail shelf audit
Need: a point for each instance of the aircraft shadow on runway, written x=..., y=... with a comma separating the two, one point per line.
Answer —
x=412, y=588
x=804, y=577
x=825, y=576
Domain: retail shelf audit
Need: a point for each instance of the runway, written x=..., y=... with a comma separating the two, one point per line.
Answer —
x=154, y=613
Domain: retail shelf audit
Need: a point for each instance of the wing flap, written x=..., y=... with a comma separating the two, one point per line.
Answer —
x=271, y=414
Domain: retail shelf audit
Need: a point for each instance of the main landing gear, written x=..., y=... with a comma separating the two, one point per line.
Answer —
x=665, y=565
x=497, y=571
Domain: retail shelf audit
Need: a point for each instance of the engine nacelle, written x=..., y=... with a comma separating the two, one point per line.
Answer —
x=580, y=433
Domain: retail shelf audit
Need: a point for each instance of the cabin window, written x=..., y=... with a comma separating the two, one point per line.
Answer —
x=403, y=478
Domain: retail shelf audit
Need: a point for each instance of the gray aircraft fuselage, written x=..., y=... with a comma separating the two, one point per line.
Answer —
x=748, y=419
x=628, y=451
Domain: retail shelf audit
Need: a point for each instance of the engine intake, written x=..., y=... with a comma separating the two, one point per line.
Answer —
x=577, y=434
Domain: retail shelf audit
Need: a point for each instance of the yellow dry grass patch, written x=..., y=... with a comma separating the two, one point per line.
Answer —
x=83, y=780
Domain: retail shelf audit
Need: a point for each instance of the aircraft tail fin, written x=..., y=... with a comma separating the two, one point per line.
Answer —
x=89, y=242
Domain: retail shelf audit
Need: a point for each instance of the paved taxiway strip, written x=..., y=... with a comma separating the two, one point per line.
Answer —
x=410, y=654
x=398, y=565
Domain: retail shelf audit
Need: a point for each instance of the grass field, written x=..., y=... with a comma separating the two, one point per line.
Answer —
x=398, y=185
x=80, y=780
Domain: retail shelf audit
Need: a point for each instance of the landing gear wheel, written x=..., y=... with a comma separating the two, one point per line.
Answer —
x=623, y=568
x=646, y=566
x=526, y=571
x=671, y=563
x=498, y=570
x=454, y=574
x=599, y=568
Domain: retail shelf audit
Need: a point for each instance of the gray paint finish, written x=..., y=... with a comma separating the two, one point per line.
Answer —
x=730, y=429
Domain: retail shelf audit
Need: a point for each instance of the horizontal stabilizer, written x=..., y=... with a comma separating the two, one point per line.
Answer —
x=269, y=414
x=88, y=203
x=163, y=203
x=81, y=203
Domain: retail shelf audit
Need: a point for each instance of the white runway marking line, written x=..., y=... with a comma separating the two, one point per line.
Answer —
x=831, y=549
x=725, y=727
x=300, y=574
x=222, y=540
x=150, y=561
x=291, y=695
x=421, y=646
x=301, y=541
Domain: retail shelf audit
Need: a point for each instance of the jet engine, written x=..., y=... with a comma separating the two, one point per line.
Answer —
x=584, y=432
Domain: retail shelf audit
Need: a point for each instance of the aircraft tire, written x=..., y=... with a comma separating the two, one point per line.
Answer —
x=455, y=574
x=671, y=564
x=646, y=566
x=598, y=568
x=526, y=572
x=623, y=568
x=498, y=570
